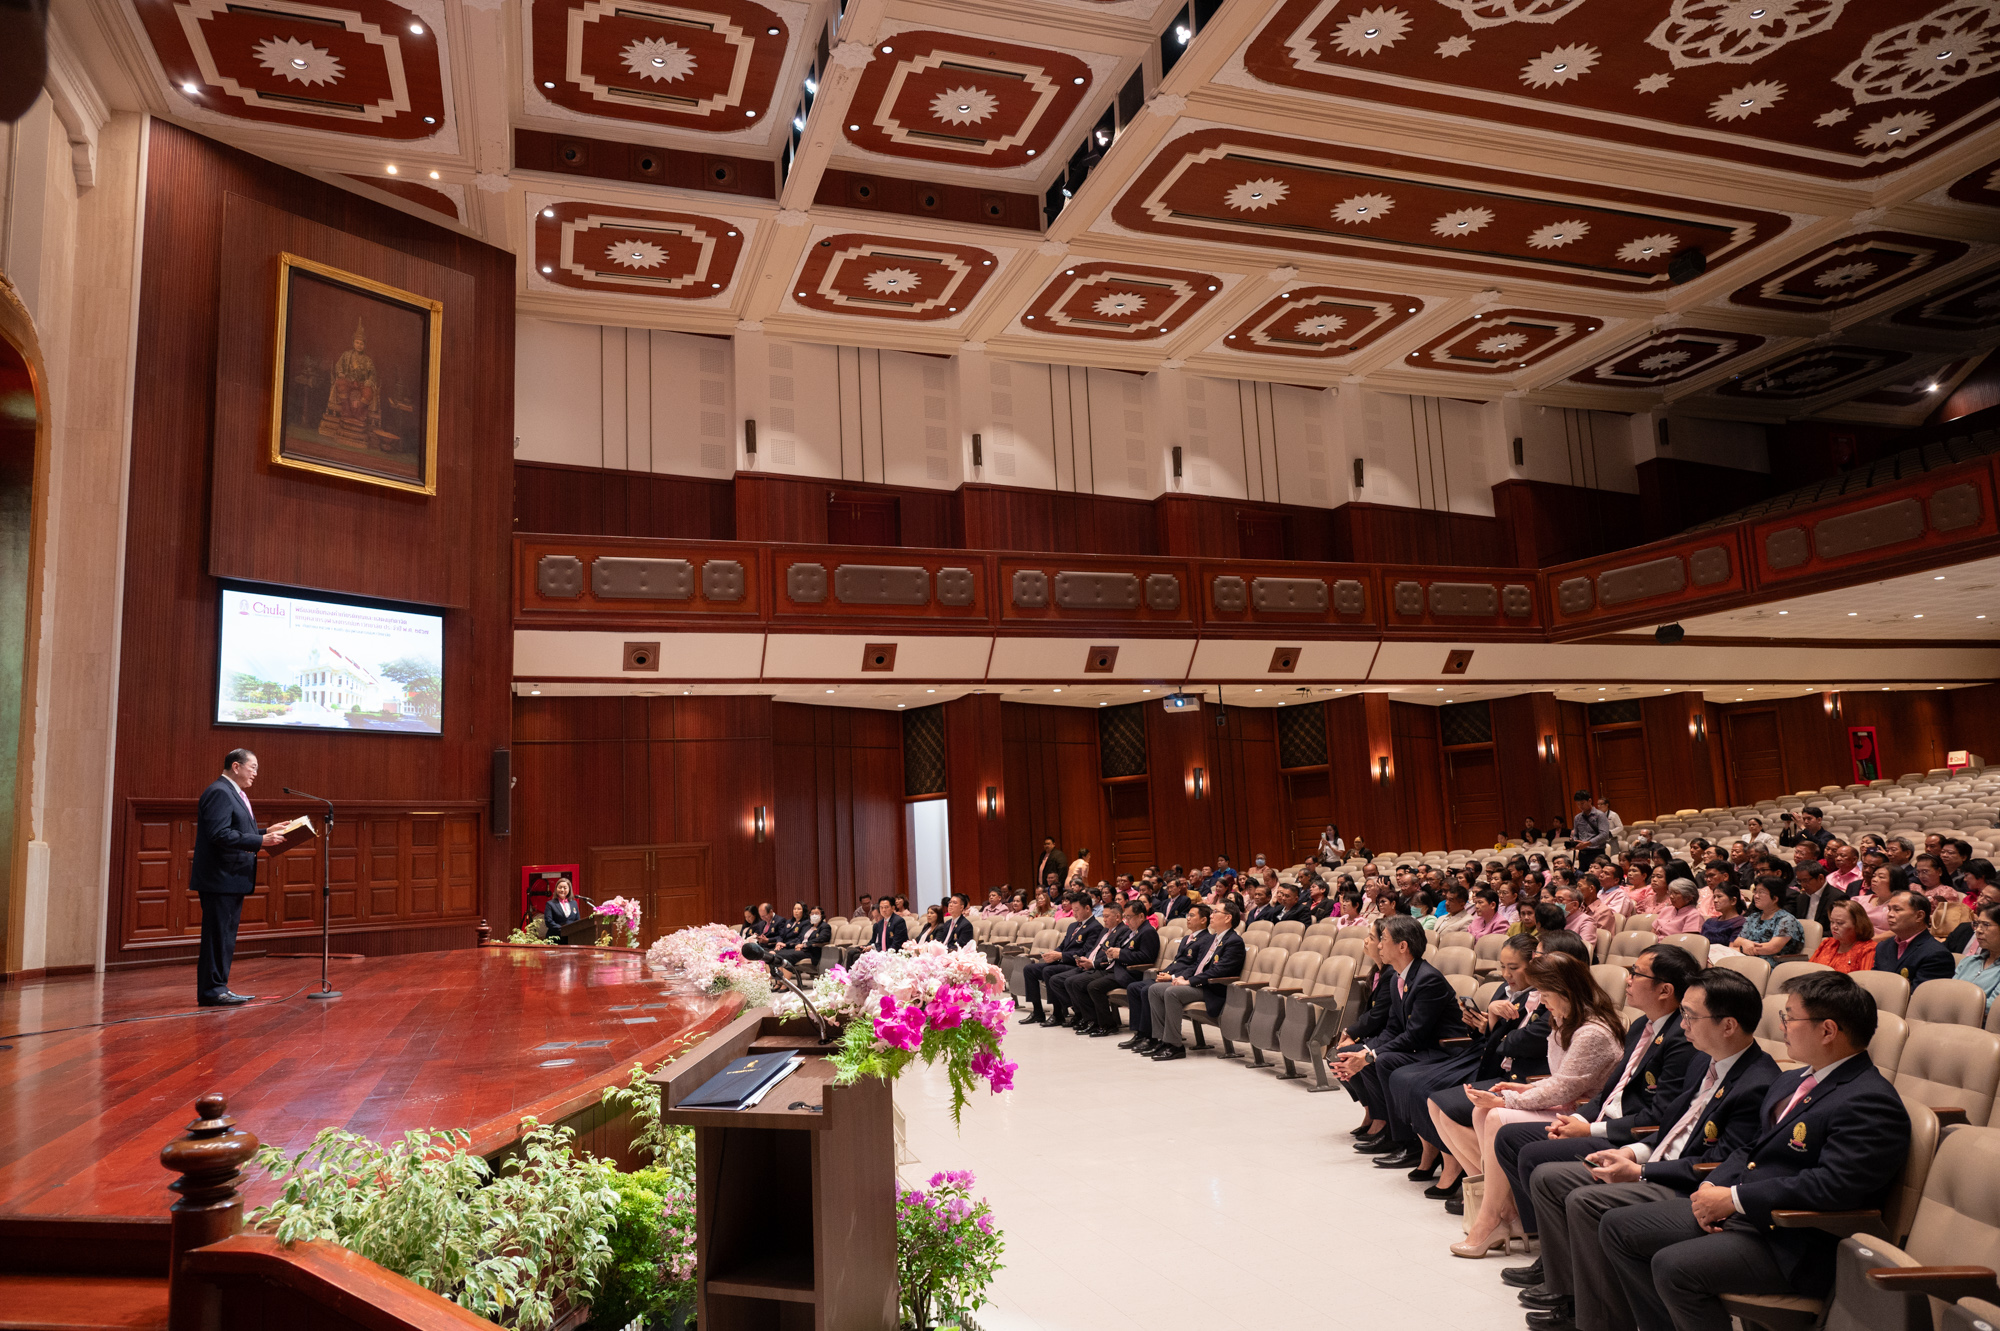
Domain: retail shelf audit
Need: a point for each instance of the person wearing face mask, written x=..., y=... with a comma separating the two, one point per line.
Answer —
x=812, y=934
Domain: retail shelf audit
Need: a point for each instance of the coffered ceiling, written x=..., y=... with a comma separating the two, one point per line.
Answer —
x=1750, y=208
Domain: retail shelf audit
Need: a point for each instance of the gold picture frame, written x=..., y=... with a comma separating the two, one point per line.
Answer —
x=347, y=397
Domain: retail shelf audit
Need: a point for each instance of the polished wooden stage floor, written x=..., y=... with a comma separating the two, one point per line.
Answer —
x=102, y=1071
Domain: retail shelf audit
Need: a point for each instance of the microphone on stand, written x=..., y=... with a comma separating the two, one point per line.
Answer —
x=753, y=950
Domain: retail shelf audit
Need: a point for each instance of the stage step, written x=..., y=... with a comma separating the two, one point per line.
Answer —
x=82, y=1303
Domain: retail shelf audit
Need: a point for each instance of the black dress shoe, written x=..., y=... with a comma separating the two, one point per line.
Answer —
x=224, y=999
x=1400, y=1158
x=1168, y=1053
x=1456, y=1206
x=1377, y=1146
x=1454, y=1193
x=1133, y=1043
x=1542, y=1320
x=1547, y=1300
x=1147, y=1047
x=1034, y=1017
x=240, y=998
x=1364, y=1130
x=1422, y=1174
x=1099, y=1032
x=1524, y=1277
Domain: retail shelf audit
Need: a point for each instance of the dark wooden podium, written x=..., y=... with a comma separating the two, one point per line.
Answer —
x=795, y=1211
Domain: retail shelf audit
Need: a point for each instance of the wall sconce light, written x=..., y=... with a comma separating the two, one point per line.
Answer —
x=993, y=801
x=1698, y=727
x=1548, y=748
x=1832, y=700
x=1382, y=768
x=757, y=822
x=1200, y=784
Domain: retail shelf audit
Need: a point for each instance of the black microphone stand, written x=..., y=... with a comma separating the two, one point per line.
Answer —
x=756, y=951
x=326, y=989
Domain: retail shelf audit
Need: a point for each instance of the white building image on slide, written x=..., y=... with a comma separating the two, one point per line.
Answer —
x=333, y=681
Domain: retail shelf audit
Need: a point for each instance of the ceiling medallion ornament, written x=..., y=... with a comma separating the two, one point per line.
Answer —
x=1500, y=342
x=1970, y=307
x=1356, y=203
x=892, y=277
x=689, y=64
x=1848, y=271
x=367, y=68
x=1668, y=357
x=1857, y=99
x=1813, y=372
x=1320, y=323
x=634, y=251
x=1120, y=302
x=956, y=97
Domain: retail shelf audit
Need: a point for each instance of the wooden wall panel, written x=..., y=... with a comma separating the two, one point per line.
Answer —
x=167, y=746
x=1385, y=534
x=1530, y=787
x=838, y=825
x=975, y=758
x=1675, y=495
x=1186, y=830
x=595, y=501
x=1205, y=527
x=1681, y=775
x=1756, y=756
x=1053, y=788
x=1974, y=720
x=1472, y=793
x=1252, y=795
x=1417, y=784
x=1624, y=772
x=794, y=508
x=1544, y=523
x=1006, y=517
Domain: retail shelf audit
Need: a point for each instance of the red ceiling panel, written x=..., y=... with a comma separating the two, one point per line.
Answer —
x=1501, y=341
x=705, y=64
x=953, y=97
x=1667, y=358
x=636, y=251
x=1122, y=302
x=1321, y=323
x=1847, y=272
x=892, y=277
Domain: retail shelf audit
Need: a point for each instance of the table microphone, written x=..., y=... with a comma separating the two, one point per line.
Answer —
x=752, y=950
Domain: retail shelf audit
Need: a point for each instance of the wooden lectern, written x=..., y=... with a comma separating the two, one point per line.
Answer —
x=795, y=1210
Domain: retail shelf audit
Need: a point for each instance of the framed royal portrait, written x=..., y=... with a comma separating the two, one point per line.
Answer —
x=354, y=388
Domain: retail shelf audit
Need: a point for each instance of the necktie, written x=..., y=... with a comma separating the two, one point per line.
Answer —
x=1805, y=1089
x=1206, y=955
x=1672, y=1144
x=1615, y=1100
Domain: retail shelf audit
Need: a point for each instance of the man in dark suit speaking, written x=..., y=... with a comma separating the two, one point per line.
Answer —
x=225, y=872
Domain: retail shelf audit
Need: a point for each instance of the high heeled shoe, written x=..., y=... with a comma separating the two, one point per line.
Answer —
x=1501, y=1242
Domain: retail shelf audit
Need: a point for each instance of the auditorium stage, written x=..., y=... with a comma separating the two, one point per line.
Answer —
x=429, y=1040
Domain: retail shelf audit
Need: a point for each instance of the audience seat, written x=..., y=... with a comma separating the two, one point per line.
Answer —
x=1641, y=923
x=1754, y=969
x=1313, y=1020
x=1270, y=1007
x=1451, y=961
x=1948, y=1066
x=1695, y=945
x=1892, y=992
x=1318, y=944
x=1486, y=953
x=1886, y=1049
x=1783, y=972
x=1993, y=1018
x=1465, y=986
x=1771, y=1031
x=1958, y=1001
x=1611, y=979
x=1971, y=1315
x=1484, y=995
x=1291, y=929
x=1454, y=938
x=1626, y=946
x=1262, y=967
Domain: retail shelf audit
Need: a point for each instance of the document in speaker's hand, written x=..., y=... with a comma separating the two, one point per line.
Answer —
x=295, y=831
x=742, y=1083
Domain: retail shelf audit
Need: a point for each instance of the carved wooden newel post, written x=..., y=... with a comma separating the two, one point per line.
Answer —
x=207, y=1159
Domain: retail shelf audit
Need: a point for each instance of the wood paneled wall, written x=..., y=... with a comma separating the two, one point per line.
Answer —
x=794, y=508
x=648, y=771
x=1386, y=534
x=325, y=532
x=1208, y=528
x=1251, y=793
x=1053, y=789
x=1915, y=729
x=1545, y=523
x=1675, y=494
x=596, y=501
x=1007, y=517
x=975, y=759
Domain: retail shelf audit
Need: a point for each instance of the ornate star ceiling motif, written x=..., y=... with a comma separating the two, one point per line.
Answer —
x=1358, y=203
x=1847, y=272
x=1501, y=342
x=1914, y=389
x=1842, y=89
x=1980, y=185
x=1321, y=323
x=892, y=277
x=973, y=101
x=1118, y=301
x=1971, y=307
x=705, y=65
x=1668, y=358
x=635, y=251
x=1815, y=372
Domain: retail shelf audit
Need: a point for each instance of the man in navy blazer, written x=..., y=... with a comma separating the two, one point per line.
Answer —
x=1124, y=963
x=1080, y=937
x=225, y=871
x=1717, y=1112
x=958, y=925
x=1423, y=1013
x=1221, y=960
x=1193, y=946
x=890, y=930
x=1910, y=950
x=1832, y=1136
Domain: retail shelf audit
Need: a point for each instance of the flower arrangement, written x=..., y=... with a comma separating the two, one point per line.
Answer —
x=618, y=916
x=947, y=1248
x=709, y=957
x=926, y=1001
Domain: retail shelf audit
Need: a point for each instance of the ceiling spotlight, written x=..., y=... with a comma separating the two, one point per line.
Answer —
x=854, y=129
x=715, y=286
x=812, y=85
x=802, y=293
x=829, y=690
x=536, y=692
x=659, y=62
x=189, y=89
x=1932, y=388
x=750, y=114
x=798, y=122
x=1938, y=578
x=298, y=63
x=416, y=29
x=1078, y=79
x=1058, y=690
x=548, y=85
x=430, y=120
x=930, y=690
x=1784, y=612
x=965, y=106
x=548, y=212
x=888, y=50
x=1031, y=152
x=1559, y=69
x=1372, y=32
x=1916, y=616
x=986, y=263
x=770, y=32
x=1852, y=613
x=392, y=168
x=547, y=269
x=434, y=175
x=902, y=704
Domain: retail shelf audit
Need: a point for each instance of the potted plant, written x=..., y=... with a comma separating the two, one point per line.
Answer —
x=947, y=1250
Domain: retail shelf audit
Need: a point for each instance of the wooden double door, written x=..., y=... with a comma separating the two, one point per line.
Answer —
x=670, y=883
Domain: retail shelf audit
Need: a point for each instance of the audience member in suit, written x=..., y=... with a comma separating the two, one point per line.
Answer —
x=932, y=928
x=1719, y=1112
x=560, y=912
x=1510, y=1039
x=890, y=930
x=1653, y=1071
x=1176, y=902
x=812, y=934
x=1222, y=960
x=958, y=924
x=1053, y=861
x=1833, y=1136
x=1193, y=944
x=1261, y=907
x=1910, y=950
x=1068, y=1001
x=1121, y=969
x=1811, y=897
x=1423, y=1014
x=1290, y=909
x=224, y=872
x=1081, y=935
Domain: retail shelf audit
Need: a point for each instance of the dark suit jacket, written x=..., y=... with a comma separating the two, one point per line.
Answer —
x=1840, y=1149
x=1172, y=908
x=1927, y=959
x=957, y=933
x=1079, y=938
x=899, y=933
x=1268, y=911
x=1141, y=949
x=1185, y=956
x=1375, y=1017
x=226, y=842
x=1660, y=1076
x=1299, y=914
x=1424, y=1013
x=557, y=914
x=1735, y=1118
x=1225, y=964
x=1795, y=903
x=810, y=940
x=1524, y=1041
x=1109, y=936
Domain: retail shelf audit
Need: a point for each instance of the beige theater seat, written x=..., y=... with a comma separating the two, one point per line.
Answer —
x=1261, y=969
x=1959, y=1001
x=1754, y=969
x=1612, y=980
x=1452, y=960
x=1454, y=938
x=1785, y=971
x=1270, y=1008
x=1313, y=1021
x=1950, y=1067
x=1486, y=954
x=1695, y=945
x=1626, y=947
x=1640, y=923
x=1892, y=992
x=1771, y=1032
x=1886, y=1049
x=1917, y=1203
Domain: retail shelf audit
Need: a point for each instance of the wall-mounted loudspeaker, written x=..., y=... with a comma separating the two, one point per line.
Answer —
x=1100, y=661
x=878, y=657
x=642, y=656
x=1458, y=662
x=1357, y=473
x=501, y=819
x=978, y=458
x=750, y=437
x=1285, y=660
x=1518, y=452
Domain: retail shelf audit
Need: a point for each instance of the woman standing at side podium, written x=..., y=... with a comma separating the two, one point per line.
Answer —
x=561, y=911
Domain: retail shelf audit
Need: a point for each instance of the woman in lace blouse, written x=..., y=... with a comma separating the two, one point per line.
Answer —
x=1587, y=1038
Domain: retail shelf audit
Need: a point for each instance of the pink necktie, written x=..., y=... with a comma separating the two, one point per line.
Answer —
x=1206, y=955
x=1631, y=1066
x=1805, y=1089
x=1672, y=1144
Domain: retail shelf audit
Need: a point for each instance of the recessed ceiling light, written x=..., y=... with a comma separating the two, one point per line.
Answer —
x=1058, y=690
x=430, y=120
x=434, y=175
x=1372, y=32
x=802, y=293
x=1852, y=613
x=1078, y=79
x=854, y=129
x=298, y=62
x=392, y=168
x=1938, y=578
x=1784, y=612
x=548, y=85
x=1031, y=152
x=750, y=114
x=1979, y=616
x=548, y=212
x=829, y=690
x=902, y=704
x=416, y=29
x=888, y=50
x=732, y=233
x=715, y=286
x=547, y=269
x=189, y=89
x=1916, y=616
x=770, y=32
x=1101, y=704
x=930, y=690
x=1149, y=690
